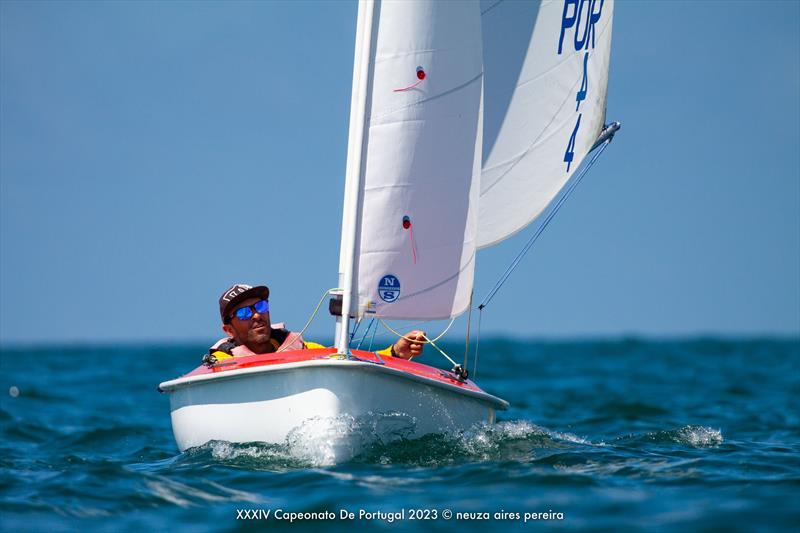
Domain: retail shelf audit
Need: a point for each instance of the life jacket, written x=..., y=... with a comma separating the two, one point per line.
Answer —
x=281, y=338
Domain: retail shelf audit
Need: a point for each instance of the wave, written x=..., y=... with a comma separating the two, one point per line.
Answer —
x=690, y=435
x=386, y=439
x=383, y=439
x=186, y=495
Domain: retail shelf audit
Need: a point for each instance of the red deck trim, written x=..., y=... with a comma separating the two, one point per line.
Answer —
x=297, y=356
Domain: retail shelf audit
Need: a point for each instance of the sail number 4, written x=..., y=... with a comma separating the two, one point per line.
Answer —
x=580, y=16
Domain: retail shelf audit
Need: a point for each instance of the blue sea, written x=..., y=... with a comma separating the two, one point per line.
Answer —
x=616, y=435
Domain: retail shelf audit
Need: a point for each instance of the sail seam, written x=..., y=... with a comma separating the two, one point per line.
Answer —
x=384, y=187
x=514, y=161
x=389, y=57
x=600, y=34
x=443, y=282
x=424, y=100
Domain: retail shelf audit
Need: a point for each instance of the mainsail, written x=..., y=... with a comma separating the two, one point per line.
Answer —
x=468, y=118
x=420, y=160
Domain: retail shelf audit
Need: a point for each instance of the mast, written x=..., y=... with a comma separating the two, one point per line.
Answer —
x=351, y=211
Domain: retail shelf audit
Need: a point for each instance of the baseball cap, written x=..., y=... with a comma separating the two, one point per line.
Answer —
x=238, y=293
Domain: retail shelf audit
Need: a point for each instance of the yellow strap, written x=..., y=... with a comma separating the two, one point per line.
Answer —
x=313, y=345
x=386, y=351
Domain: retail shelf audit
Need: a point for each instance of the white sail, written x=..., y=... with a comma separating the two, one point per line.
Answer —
x=421, y=150
x=470, y=118
x=545, y=79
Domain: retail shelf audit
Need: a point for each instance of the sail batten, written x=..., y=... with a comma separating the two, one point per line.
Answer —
x=425, y=100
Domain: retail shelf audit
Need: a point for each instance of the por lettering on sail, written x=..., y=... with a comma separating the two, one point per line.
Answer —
x=580, y=16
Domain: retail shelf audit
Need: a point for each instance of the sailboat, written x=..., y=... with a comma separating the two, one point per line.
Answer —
x=467, y=120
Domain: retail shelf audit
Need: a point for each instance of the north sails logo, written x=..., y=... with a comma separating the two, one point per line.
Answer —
x=389, y=288
x=235, y=291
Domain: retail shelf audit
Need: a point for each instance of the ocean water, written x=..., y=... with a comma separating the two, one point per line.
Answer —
x=696, y=435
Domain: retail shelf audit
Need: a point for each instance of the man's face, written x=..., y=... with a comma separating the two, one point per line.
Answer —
x=254, y=332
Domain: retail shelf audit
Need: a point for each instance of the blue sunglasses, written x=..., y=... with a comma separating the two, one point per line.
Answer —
x=246, y=313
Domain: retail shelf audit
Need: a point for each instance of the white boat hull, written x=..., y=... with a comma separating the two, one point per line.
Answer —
x=268, y=404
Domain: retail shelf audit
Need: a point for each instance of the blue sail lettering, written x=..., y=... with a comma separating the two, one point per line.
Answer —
x=579, y=43
x=594, y=19
x=569, y=155
x=583, y=24
x=567, y=22
x=581, y=94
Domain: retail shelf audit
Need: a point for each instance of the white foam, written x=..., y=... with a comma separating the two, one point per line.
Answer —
x=700, y=436
x=324, y=441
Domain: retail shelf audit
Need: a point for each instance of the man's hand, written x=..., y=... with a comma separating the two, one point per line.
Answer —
x=409, y=345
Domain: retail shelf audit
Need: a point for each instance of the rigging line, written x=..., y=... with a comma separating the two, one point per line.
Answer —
x=363, y=337
x=542, y=227
x=444, y=354
x=374, y=331
x=477, y=344
x=355, y=328
x=469, y=321
x=427, y=339
x=366, y=333
x=311, y=318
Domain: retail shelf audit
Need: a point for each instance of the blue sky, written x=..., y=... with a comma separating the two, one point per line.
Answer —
x=151, y=154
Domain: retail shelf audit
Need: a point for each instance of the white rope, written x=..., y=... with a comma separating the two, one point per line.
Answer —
x=444, y=354
x=427, y=340
x=310, y=319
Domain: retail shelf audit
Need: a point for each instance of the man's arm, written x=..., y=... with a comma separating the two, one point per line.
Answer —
x=409, y=345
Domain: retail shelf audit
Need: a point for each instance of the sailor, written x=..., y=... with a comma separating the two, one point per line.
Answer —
x=244, y=311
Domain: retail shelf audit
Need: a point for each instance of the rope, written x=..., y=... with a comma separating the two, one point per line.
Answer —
x=443, y=353
x=477, y=344
x=311, y=318
x=541, y=228
x=612, y=128
x=374, y=331
x=469, y=322
x=355, y=329
x=366, y=334
x=427, y=340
